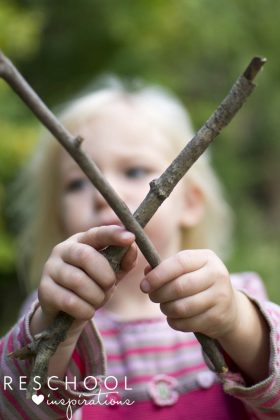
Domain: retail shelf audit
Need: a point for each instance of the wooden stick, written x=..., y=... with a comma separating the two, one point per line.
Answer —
x=47, y=343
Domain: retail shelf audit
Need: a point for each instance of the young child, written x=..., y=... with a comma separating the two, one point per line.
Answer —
x=138, y=323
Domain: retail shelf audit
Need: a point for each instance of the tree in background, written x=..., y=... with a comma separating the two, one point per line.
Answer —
x=19, y=38
x=195, y=47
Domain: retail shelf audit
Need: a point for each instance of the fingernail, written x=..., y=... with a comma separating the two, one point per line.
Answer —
x=127, y=235
x=145, y=286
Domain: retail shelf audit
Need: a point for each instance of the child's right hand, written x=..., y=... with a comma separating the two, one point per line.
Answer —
x=77, y=278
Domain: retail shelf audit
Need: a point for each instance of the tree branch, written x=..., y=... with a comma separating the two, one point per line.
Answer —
x=47, y=343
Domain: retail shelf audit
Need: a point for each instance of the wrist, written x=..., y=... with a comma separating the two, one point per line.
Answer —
x=247, y=343
x=240, y=320
x=40, y=322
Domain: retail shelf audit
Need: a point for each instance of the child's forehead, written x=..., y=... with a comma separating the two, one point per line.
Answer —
x=122, y=126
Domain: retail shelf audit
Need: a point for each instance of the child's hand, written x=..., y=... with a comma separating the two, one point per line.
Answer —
x=77, y=279
x=195, y=293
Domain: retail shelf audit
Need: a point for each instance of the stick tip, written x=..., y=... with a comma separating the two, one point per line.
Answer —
x=254, y=67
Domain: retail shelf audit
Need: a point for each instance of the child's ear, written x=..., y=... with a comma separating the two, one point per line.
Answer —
x=193, y=206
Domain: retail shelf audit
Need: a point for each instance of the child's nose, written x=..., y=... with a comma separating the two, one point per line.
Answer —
x=99, y=200
x=115, y=184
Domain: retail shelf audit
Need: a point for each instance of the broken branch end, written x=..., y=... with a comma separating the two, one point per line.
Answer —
x=254, y=67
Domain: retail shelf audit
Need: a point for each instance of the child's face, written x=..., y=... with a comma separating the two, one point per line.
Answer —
x=130, y=153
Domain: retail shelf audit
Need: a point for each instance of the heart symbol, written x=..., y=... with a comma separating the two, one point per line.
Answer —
x=38, y=398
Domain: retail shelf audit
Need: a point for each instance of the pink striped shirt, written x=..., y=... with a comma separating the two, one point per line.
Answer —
x=149, y=371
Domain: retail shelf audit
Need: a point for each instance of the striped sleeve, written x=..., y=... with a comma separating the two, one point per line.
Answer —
x=52, y=401
x=263, y=398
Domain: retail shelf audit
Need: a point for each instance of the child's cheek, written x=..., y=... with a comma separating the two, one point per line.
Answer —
x=165, y=233
x=75, y=216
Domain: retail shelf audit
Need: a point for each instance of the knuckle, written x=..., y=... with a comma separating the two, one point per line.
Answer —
x=217, y=266
x=179, y=308
x=210, y=254
x=57, y=249
x=47, y=269
x=87, y=313
x=224, y=272
x=77, y=238
x=92, y=231
x=109, y=279
x=221, y=274
x=83, y=254
x=77, y=309
x=71, y=247
x=69, y=304
x=90, y=234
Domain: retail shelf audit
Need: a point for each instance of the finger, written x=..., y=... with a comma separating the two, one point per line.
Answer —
x=187, y=325
x=181, y=263
x=129, y=260
x=183, y=286
x=206, y=323
x=189, y=307
x=147, y=269
x=103, y=236
x=80, y=283
x=55, y=298
x=91, y=262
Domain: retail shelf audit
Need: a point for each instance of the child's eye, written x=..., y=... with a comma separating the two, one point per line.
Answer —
x=137, y=172
x=76, y=185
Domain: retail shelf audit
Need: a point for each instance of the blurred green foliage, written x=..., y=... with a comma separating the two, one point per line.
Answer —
x=18, y=38
x=195, y=47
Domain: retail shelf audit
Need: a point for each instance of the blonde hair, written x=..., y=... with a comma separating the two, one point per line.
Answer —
x=42, y=227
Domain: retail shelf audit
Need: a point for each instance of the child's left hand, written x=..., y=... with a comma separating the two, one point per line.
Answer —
x=195, y=293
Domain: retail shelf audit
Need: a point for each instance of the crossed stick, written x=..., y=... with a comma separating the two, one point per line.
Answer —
x=45, y=344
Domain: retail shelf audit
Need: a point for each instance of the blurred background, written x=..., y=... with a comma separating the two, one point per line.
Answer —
x=197, y=48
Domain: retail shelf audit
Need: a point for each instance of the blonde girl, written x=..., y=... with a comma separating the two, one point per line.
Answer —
x=144, y=317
